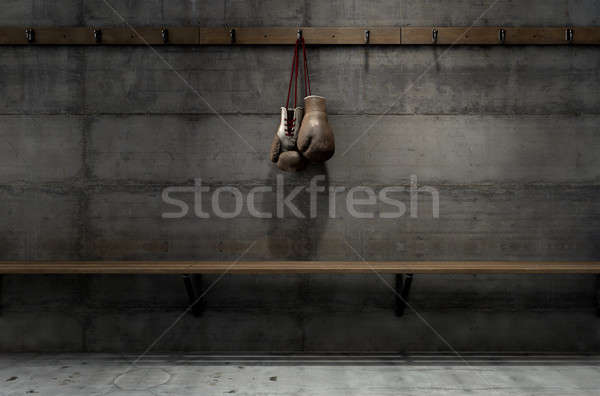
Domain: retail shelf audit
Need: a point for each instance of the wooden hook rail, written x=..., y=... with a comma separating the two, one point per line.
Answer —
x=299, y=267
x=312, y=35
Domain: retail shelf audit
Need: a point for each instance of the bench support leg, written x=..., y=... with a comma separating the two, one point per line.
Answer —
x=1, y=295
x=196, y=305
x=598, y=295
x=402, y=292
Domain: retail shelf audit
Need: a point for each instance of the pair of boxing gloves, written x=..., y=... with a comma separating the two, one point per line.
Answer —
x=303, y=137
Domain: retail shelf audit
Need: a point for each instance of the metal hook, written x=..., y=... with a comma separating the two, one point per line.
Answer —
x=367, y=36
x=434, y=35
x=502, y=35
x=29, y=35
x=232, y=35
x=164, y=33
x=97, y=35
x=569, y=34
x=299, y=34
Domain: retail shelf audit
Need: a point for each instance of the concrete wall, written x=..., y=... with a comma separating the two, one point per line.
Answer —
x=90, y=136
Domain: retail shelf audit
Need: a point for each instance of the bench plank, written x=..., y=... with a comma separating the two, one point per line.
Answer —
x=298, y=267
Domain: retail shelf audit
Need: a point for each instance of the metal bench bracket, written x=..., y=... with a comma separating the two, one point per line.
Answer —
x=598, y=295
x=403, y=284
x=190, y=282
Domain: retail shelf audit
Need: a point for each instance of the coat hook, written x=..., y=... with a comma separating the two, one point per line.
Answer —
x=29, y=35
x=299, y=34
x=164, y=33
x=502, y=35
x=367, y=36
x=434, y=35
x=98, y=35
x=232, y=36
x=569, y=35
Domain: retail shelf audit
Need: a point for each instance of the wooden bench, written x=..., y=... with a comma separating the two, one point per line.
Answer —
x=404, y=270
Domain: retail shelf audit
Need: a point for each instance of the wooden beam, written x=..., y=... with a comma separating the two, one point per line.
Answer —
x=63, y=36
x=488, y=35
x=284, y=35
x=540, y=36
x=214, y=36
x=109, y=36
x=298, y=267
x=451, y=35
x=266, y=36
x=344, y=35
x=12, y=36
x=152, y=36
x=586, y=35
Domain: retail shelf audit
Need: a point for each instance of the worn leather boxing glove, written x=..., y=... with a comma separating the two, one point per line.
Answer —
x=315, y=138
x=289, y=161
x=289, y=127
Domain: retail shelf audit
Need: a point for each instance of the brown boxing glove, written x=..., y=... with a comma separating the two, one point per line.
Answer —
x=275, y=149
x=289, y=161
x=315, y=139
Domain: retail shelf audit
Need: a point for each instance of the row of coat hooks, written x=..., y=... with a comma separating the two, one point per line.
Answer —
x=312, y=35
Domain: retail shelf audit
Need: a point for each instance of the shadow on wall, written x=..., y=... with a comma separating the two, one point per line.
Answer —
x=293, y=237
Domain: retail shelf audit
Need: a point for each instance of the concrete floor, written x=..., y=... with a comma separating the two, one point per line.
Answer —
x=299, y=375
